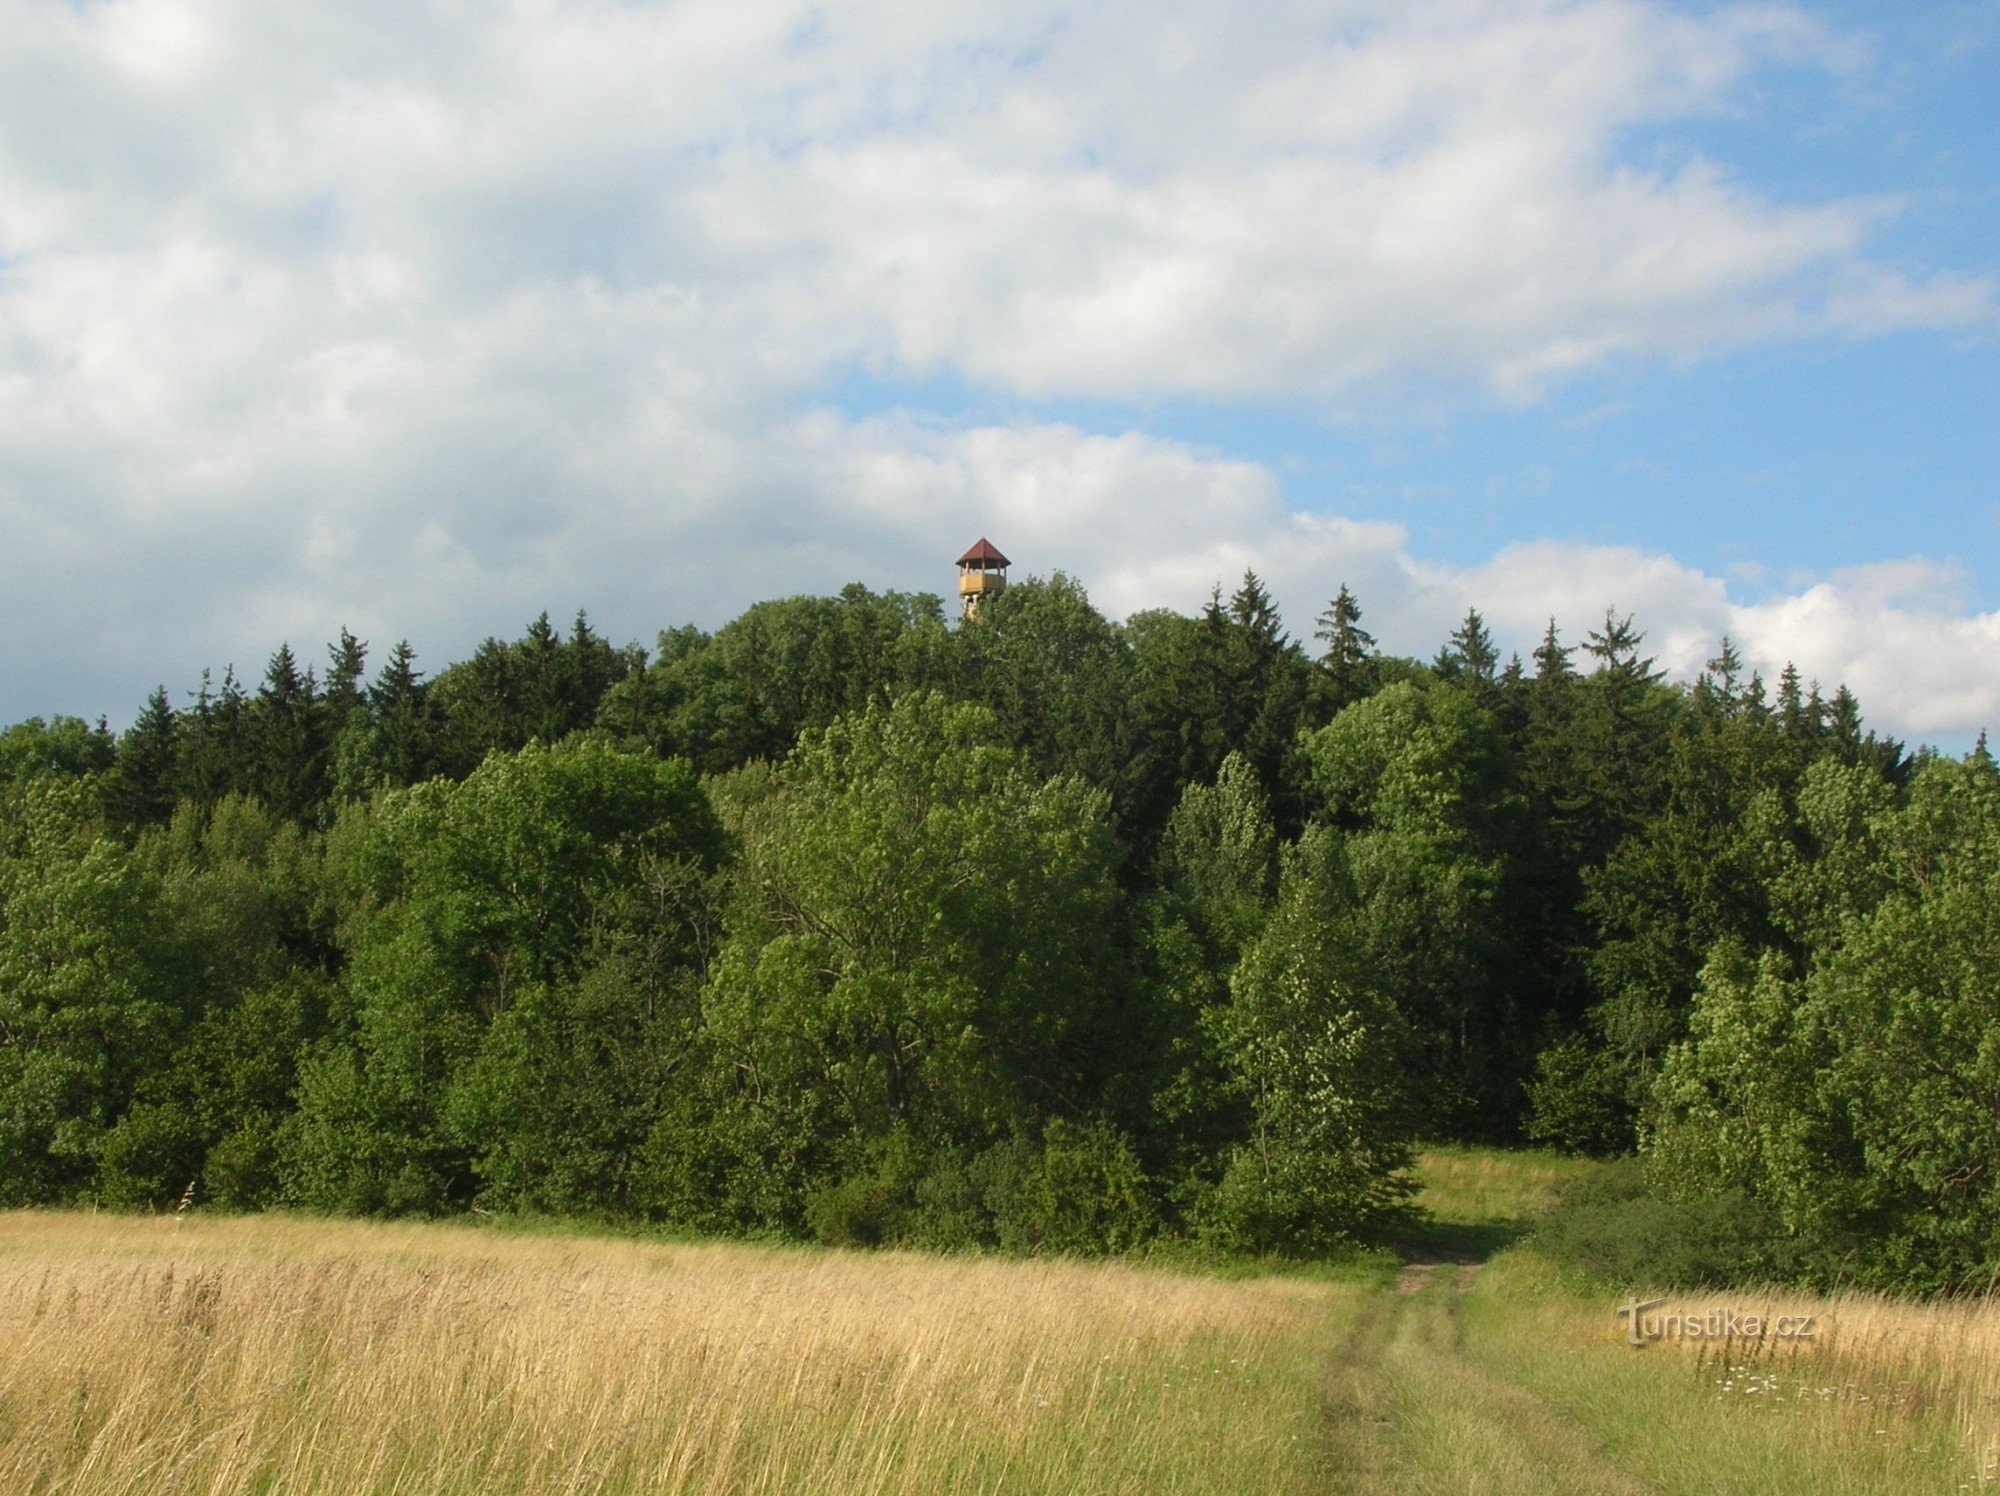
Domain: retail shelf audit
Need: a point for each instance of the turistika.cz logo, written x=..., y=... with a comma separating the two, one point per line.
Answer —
x=1642, y=1327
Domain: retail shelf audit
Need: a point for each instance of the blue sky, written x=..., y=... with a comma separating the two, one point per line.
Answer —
x=420, y=320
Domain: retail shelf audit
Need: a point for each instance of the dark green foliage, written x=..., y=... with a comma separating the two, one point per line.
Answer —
x=240, y=899
x=1580, y=1099
x=1614, y=1229
x=1349, y=663
x=543, y=686
x=1470, y=660
x=508, y=998
x=1417, y=783
x=143, y=782
x=1055, y=673
x=916, y=946
x=1202, y=688
x=1040, y=934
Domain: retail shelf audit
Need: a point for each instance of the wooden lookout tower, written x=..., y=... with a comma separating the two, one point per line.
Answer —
x=982, y=573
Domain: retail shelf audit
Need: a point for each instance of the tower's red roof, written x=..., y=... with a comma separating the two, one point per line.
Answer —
x=983, y=554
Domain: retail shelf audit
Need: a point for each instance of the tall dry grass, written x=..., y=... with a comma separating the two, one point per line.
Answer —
x=275, y=1354
x=1877, y=1362
x=1886, y=1396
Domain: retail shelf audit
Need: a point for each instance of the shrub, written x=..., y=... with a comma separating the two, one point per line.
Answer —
x=1575, y=1101
x=1612, y=1227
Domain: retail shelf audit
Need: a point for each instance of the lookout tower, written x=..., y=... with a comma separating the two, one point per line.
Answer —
x=982, y=573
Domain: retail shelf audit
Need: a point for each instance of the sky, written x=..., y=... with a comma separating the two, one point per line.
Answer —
x=423, y=318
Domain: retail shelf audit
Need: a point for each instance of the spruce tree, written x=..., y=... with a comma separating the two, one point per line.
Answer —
x=402, y=726
x=289, y=747
x=1349, y=659
x=1469, y=657
x=142, y=790
x=346, y=661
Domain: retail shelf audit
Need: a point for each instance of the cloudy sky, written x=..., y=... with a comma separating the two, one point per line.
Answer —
x=422, y=317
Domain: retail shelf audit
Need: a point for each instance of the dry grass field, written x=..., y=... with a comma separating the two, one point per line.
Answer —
x=286, y=1354
x=1886, y=1397
x=1506, y=1376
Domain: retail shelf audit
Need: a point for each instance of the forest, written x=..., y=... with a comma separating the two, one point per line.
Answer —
x=1038, y=932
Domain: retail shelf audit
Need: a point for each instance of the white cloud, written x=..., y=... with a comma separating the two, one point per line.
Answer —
x=418, y=316
x=1147, y=523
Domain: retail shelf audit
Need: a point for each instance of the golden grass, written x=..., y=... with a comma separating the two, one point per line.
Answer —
x=1879, y=1361
x=287, y=1354
x=1887, y=1395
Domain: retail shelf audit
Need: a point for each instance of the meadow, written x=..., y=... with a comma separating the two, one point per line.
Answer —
x=211, y=1353
x=289, y=1354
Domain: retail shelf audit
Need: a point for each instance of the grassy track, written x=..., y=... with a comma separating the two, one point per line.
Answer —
x=269, y=1354
x=1494, y=1374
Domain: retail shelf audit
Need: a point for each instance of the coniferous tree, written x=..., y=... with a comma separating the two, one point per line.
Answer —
x=143, y=787
x=1469, y=658
x=1226, y=681
x=1348, y=660
x=289, y=764
x=396, y=701
x=1620, y=740
x=347, y=661
x=217, y=749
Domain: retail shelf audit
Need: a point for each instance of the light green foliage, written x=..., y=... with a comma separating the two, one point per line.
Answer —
x=1217, y=868
x=1739, y=1103
x=1314, y=1045
x=86, y=1002
x=513, y=944
x=1424, y=761
x=1219, y=854
x=782, y=668
x=1416, y=778
x=241, y=893
x=997, y=950
x=1857, y=1098
x=60, y=747
x=916, y=946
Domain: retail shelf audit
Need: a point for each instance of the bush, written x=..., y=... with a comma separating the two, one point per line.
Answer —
x=1576, y=1102
x=241, y=1172
x=1077, y=1192
x=861, y=1212
x=1612, y=1227
x=1083, y=1192
x=150, y=1157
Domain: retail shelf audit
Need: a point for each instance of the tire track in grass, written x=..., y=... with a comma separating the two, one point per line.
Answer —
x=1408, y=1412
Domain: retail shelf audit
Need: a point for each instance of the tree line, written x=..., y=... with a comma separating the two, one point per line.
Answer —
x=1041, y=932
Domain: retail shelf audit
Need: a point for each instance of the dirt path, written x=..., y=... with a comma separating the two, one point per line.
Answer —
x=1410, y=1412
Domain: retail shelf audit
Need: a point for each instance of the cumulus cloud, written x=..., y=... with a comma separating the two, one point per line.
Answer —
x=418, y=317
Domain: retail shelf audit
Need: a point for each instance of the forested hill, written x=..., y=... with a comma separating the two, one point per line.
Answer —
x=1042, y=932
